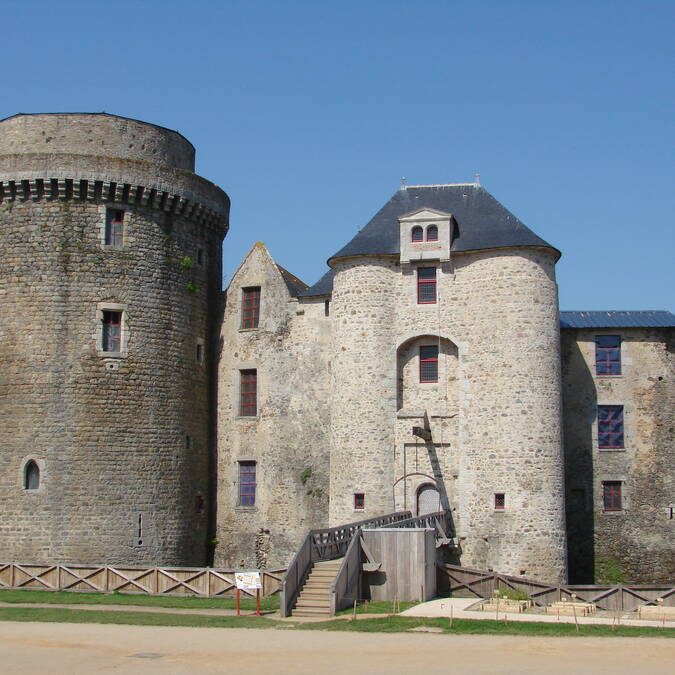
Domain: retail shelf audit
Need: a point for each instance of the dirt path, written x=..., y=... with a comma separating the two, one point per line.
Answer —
x=47, y=649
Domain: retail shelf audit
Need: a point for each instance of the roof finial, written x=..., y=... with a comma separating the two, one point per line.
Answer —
x=476, y=178
x=404, y=183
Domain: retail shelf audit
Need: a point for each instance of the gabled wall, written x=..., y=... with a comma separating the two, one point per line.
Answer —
x=288, y=437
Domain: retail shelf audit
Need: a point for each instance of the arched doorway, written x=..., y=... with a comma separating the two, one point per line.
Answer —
x=428, y=499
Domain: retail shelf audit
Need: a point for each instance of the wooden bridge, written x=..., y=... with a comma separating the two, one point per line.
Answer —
x=324, y=576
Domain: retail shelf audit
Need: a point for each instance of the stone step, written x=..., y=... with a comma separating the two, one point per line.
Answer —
x=315, y=593
x=308, y=611
x=314, y=604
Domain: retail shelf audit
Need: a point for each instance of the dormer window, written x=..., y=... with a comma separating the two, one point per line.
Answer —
x=425, y=235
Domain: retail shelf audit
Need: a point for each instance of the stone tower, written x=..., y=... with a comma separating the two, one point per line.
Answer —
x=447, y=273
x=111, y=270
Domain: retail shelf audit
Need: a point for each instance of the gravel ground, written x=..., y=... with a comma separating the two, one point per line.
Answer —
x=47, y=649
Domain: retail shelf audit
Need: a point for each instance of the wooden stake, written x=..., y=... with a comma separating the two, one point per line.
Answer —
x=238, y=603
x=354, y=617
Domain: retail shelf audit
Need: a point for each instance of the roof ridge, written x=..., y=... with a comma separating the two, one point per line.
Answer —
x=431, y=185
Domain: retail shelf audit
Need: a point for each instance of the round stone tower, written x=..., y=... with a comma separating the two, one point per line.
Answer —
x=365, y=294
x=111, y=271
x=457, y=330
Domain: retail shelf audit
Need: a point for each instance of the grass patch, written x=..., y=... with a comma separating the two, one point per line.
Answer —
x=393, y=624
x=60, y=615
x=66, y=598
x=377, y=608
x=401, y=624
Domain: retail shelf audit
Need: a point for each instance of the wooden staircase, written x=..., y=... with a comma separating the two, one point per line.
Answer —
x=314, y=598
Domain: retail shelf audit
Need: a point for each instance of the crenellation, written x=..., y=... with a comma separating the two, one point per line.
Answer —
x=108, y=428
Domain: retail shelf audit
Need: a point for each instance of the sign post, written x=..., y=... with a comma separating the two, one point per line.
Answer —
x=248, y=581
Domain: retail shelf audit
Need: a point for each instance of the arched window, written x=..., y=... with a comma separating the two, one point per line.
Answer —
x=417, y=234
x=31, y=476
x=432, y=233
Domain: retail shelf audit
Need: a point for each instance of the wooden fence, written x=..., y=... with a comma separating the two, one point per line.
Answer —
x=185, y=581
x=465, y=582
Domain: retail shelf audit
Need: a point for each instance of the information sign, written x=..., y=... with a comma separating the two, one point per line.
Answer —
x=248, y=581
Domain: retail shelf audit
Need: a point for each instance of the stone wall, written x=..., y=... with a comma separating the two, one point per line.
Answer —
x=122, y=440
x=495, y=414
x=100, y=135
x=288, y=438
x=363, y=404
x=634, y=544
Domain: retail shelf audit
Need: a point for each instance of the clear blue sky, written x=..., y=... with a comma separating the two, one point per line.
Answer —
x=308, y=113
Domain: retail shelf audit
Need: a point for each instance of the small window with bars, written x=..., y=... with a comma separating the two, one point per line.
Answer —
x=247, y=483
x=612, y=499
x=111, y=335
x=417, y=234
x=500, y=501
x=429, y=363
x=114, y=227
x=426, y=285
x=432, y=233
x=359, y=501
x=248, y=393
x=250, y=307
x=608, y=355
x=610, y=427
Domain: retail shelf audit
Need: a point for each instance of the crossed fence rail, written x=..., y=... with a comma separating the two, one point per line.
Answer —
x=466, y=582
x=175, y=581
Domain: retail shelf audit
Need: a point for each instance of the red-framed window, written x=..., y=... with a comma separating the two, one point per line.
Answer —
x=111, y=337
x=114, y=227
x=611, y=495
x=610, y=426
x=359, y=501
x=500, y=501
x=608, y=355
x=426, y=285
x=247, y=483
x=417, y=234
x=250, y=307
x=429, y=363
x=248, y=393
x=432, y=233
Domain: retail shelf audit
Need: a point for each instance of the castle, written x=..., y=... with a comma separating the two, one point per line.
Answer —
x=151, y=418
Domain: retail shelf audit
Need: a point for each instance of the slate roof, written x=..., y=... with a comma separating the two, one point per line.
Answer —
x=323, y=286
x=296, y=286
x=481, y=222
x=618, y=319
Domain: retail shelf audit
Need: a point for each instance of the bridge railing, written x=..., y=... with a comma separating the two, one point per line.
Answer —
x=326, y=544
x=438, y=521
